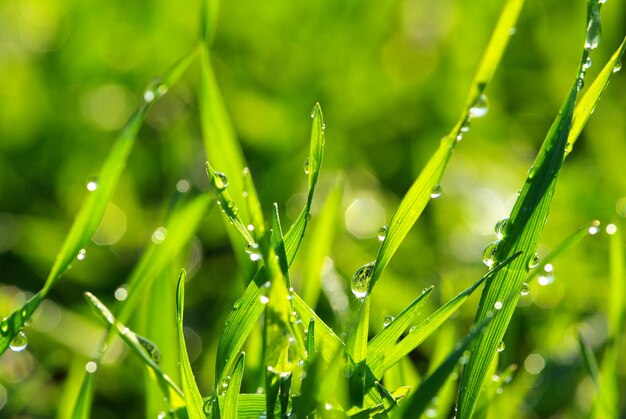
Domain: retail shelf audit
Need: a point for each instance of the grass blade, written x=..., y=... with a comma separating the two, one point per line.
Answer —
x=432, y=323
x=193, y=399
x=419, y=193
x=231, y=398
x=91, y=212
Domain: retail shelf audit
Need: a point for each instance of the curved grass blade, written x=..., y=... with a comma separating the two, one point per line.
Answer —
x=193, y=399
x=356, y=349
x=91, y=212
x=419, y=193
x=523, y=229
x=137, y=345
x=82, y=406
x=587, y=104
x=431, y=323
x=231, y=398
x=248, y=308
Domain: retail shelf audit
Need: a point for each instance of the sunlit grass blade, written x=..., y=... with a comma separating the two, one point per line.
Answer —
x=420, y=332
x=321, y=236
x=419, y=193
x=356, y=349
x=588, y=102
x=384, y=340
x=248, y=308
x=139, y=346
x=418, y=401
x=91, y=212
x=193, y=399
x=84, y=401
x=327, y=343
x=231, y=398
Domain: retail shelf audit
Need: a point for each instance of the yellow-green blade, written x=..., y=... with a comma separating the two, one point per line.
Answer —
x=231, y=398
x=193, y=399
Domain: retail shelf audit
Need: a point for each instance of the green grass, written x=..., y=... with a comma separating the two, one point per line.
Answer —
x=277, y=341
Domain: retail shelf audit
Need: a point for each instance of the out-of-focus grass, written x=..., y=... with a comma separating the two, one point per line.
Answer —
x=392, y=78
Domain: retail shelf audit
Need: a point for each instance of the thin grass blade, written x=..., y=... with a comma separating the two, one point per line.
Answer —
x=193, y=399
x=231, y=398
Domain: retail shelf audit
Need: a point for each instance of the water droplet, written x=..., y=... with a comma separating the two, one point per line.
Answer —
x=594, y=27
x=480, y=107
x=328, y=406
x=307, y=164
x=154, y=90
x=498, y=305
x=313, y=112
x=387, y=321
x=82, y=254
x=220, y=181
x=501, y=346
x=500, y=228
x=436, y=192
x=533, y=262
x=121, y=294
x=525, y=289
x=250, y=227
x=237, y=304
x=4, y=327
x=19, y=342
x=587, y=63
x=361, y=280
x=489, y=254
x=618, y=66
x=545, y=279
x=595, y=227
x=308, y=216
x=464, y=359
x=159, y=235
x=252, y=249
x=412, y=329
x=580, y=83
x=568, y=147
x=382, y=233
x=264, y=299
x=431, y=412
x=91, y=367
x=225, y=383
x=92, y=184
x=611, y=229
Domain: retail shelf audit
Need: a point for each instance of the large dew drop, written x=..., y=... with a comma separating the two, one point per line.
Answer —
x=387, y=321
x=480, y=107
x=19, y=342
x=361, y=280
x=489, y=254
x=436, y=192
x=220, y=181
x=382, y=233
x=594, y=27
x=500, y=229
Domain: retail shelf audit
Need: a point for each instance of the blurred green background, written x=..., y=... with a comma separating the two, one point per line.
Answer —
x=391, y=77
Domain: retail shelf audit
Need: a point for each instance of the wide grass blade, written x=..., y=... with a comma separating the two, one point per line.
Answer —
x=419, y=193
x=522, y=232
x=418, y=334
x=247, y=310
x=231, y=398
x=193, y=399
x=91, y=212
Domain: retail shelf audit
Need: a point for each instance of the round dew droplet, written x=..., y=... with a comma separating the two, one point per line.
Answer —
x=252, y=249
x=465, y=127
x=155, y=90
x=82, y=254
x=618, y=67
x=387, y=321
x=500, y=228
x=498, y=305
x=525, y=289
x=159, y=235
x=436, y=192
x=307, y=164
x=220, y=181
x=501, y=346
x=489, y=254
x=92, y=184
x=19, y=342
x=587, y=63
x=480, y=107
x=382, y=233
x=264, y=299
x=533, y=262
x=91, y=367
x=361, y=280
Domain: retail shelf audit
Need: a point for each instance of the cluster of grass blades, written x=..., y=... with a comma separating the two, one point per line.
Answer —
x=308, y=370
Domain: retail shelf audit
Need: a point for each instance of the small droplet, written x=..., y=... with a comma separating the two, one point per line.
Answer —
x=498, y=305
x=580, y=83
x=464, y=359
x=4, y=327
x=618, y=67
x=382, y=233
x=237, y=304
x=19, y=342
x=307, y=164
x=568, y=147
x=308, y=216
x=82, y=254
x=533, y=262
x=121, y=294
x=500, y=228
x=465, y=127
x=595, y=227
x=587, y=63
x=91, y=367
x=92, y=184
x=412, y=329
x=436, y=192
x=155, y=90
x=264, y=299
x=611, y=229
x=480, y=107
x=313, y=112
x=501, y=346
x=525, y=289
x=252, y=249
x=159, y=235
x=489, y=254
x=225, y=383
x=361, y=280
x=220, y=181
x=387, y=321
